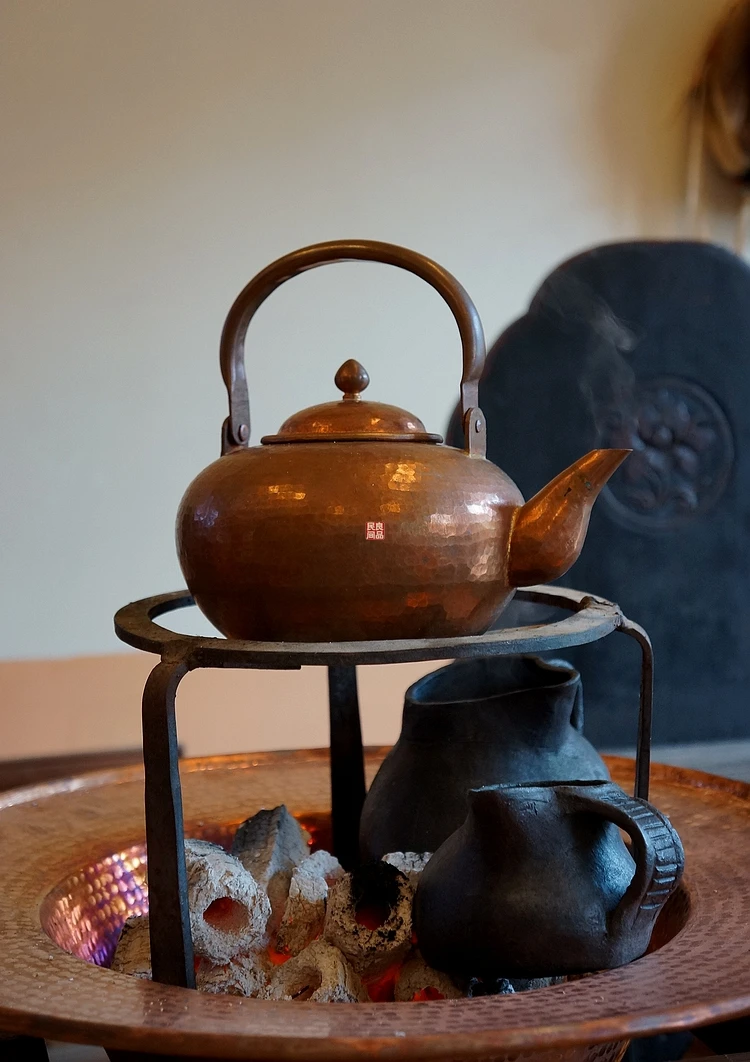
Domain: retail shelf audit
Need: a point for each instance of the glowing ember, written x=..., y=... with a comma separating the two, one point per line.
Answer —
x=342, y=938
x=382, y=988
x=424, y=995
x=278, y=958
x=371, y=916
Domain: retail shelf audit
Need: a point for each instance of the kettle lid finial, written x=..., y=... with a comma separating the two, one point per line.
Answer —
x=351, y=419
x=352, y=378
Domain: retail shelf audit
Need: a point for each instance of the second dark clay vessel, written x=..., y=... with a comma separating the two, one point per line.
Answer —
x=538, y=882
x=471, y=724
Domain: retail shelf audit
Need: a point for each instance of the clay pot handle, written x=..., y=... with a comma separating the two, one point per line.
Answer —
x=236, y=429
x=657, y=849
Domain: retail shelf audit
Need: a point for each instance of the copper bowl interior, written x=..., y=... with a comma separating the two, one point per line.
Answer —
x=84, y=913
x=74, y=858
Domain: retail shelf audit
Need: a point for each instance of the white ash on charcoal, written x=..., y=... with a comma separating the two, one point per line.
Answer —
x=410, y=863
x=305, y=910
x=349, y=935
x=368, y=917
x=417, y=980
x=133, y=952
x=270, y=845
x=229, y=911
x=245, y=975
x=321, y=974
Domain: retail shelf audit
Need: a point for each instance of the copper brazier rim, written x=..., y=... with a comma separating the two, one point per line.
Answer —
x=344, y=1031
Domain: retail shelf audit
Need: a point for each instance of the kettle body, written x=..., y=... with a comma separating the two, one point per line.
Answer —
x=470, y=724
x=538, y=882
x=348, y=541
x=355, y=523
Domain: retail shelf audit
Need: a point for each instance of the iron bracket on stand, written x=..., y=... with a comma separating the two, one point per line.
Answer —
x=171, y=941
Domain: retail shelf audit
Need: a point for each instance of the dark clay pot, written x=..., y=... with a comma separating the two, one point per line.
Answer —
x=538, y=881
x=470, y=724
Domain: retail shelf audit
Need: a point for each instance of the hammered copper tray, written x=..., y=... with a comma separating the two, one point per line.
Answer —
x=69, y=851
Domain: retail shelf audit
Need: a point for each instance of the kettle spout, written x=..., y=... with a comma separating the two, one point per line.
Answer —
x=550, y=529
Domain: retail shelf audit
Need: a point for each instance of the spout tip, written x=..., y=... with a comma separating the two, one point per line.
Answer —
x=550, y=528
x=602, y=463
x=614, y=452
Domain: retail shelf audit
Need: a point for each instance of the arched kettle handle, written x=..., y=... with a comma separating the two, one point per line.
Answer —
x=657, y=849
x=236, y=430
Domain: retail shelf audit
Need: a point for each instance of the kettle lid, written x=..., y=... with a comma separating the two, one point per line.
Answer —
x=351, y=418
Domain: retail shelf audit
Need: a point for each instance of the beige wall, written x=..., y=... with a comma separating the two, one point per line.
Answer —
x=92, y=703
x=156, y=154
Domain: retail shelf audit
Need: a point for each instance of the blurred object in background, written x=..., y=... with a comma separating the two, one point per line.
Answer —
x=644, y=344
x=37, y=769
x=720, y=117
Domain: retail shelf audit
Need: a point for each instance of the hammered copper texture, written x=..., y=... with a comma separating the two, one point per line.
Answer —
x=340, y=541
x=351, y=417
x=273, y=541
x=86, y=911
x=701, y=974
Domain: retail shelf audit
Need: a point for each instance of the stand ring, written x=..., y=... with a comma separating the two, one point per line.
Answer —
x=593, y=618
x=171, y=941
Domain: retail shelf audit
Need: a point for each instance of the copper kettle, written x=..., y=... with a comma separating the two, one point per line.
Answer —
x=353, y=522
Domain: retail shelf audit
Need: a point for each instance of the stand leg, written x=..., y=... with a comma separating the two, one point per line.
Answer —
x=171, y=941
x=347, y=764
x=643, y=750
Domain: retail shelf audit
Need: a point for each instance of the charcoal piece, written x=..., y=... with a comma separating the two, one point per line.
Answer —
x=491, y=986
x=527, y=984
x=305, y=910
x=368, y=917
x=410, y=863
x=321, y=974
x=418, y=980
x=229, y=911
x=245, y=975
x=270, y=845
x=133, y=952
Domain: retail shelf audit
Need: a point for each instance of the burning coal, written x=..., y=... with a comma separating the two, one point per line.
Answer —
x=273, y=921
